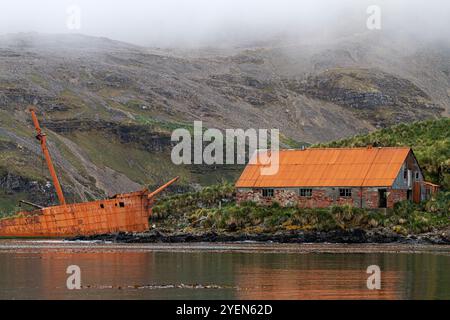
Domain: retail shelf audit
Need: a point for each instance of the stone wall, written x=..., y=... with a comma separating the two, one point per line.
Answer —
x=396, y=195
x=367, y=197
x=370, y=198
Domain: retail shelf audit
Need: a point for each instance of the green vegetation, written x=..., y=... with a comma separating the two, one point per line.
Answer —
x=21, y=164
x=9, y=204
x=164, y=126
x=139, y=165
x=201, y=211
x=176, y=209
x=359, y=80
x=71, y=99
x=39, y=80
x=430, y=141
x=291, y=143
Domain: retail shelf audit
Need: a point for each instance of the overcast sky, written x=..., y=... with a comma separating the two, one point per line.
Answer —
x=209, y=22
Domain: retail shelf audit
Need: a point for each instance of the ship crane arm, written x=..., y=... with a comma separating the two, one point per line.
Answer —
x=43, y=140
x=162, y=188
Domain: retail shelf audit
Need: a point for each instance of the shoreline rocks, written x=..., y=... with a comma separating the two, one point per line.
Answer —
x=336, y=236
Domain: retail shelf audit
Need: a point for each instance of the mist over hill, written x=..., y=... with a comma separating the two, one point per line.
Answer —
x=109, y=107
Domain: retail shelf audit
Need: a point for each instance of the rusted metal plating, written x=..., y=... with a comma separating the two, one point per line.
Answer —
x=121, y=213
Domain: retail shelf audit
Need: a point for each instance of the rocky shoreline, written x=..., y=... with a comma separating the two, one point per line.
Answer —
x=335, y=236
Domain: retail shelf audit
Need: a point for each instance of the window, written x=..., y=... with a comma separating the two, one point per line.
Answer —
x=102, y=206
x=267, y=193
x=122, y=204
x=417, y=175
x=405, y=173
x=306, y=193
x=345, y=192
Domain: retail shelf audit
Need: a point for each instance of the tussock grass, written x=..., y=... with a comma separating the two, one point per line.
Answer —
x=200, y=211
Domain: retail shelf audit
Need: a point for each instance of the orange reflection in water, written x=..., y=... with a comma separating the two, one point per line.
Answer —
x=109, y=269
x=269, y=284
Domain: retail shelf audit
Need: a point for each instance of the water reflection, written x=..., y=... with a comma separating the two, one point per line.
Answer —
x=41, y=274
x=314, y=284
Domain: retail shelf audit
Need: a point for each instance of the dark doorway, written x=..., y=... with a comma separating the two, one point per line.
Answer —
x=382, y=198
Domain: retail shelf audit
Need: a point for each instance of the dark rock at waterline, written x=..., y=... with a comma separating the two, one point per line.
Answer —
x=334, y=236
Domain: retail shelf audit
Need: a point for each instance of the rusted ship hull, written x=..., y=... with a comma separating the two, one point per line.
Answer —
x=127, y=213
x=122, y=213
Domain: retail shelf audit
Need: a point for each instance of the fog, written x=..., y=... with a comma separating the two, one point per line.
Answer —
x=177, y=23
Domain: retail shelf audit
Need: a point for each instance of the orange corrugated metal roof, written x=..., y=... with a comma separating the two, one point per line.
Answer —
x=333, y=167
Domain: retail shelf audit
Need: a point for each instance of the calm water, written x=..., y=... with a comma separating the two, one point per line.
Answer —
x=37, y=270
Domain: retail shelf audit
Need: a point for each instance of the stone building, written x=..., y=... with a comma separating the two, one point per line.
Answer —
x=318, y=178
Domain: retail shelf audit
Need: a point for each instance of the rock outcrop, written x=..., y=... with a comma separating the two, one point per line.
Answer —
x=335, y=236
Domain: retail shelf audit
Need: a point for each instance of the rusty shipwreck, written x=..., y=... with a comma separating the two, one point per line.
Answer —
x=121, y=213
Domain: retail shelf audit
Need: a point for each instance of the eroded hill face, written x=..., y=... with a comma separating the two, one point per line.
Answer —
x=378, y=97
x=109, y=108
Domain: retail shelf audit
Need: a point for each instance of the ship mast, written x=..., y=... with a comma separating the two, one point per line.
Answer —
x=43, y=140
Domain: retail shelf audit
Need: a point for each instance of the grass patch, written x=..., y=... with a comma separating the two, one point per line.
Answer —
x=9, y=204
x=40, y=81
x=139, y=165
x=291, y=143
x=164, y=126
x=201, y=211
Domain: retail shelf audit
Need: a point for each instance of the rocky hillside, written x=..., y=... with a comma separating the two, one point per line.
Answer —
x=109, y=107
x=378, y=97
